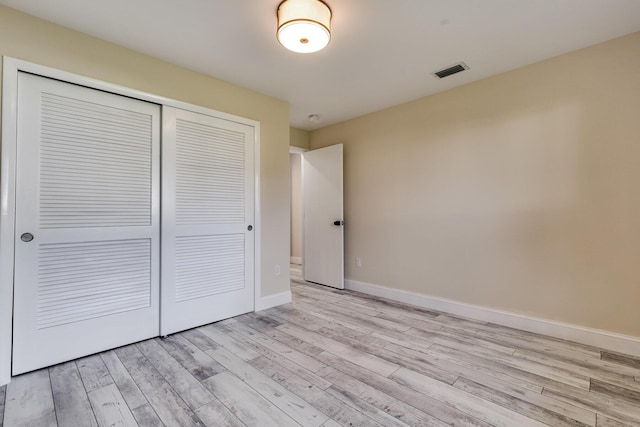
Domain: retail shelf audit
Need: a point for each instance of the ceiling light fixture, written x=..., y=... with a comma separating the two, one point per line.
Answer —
x=304, y=26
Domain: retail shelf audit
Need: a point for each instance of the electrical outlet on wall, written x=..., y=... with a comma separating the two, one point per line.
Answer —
x=358, y=262
x=277, y=269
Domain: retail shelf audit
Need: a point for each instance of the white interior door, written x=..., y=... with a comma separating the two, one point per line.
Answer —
x=207, y=219
x=87, y=222
x=323, y=216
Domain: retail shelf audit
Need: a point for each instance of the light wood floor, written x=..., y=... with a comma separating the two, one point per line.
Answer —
x=335, y=358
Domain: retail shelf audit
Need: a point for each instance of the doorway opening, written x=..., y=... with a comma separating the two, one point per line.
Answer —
x=295, y=171
x=317, y=225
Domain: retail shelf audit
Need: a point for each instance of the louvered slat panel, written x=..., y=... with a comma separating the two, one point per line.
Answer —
x=95, y=165
x=209, y=265
x=210, y=174
x=81, y=281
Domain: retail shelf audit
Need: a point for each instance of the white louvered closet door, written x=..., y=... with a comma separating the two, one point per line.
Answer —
x=88, y=192
x=207, y=214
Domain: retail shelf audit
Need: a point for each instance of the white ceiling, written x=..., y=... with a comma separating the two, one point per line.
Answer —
x=382, y=52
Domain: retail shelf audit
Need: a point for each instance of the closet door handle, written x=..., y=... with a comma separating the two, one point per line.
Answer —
x=26, y=237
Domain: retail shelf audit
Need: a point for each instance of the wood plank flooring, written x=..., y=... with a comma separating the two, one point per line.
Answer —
x=335, y=358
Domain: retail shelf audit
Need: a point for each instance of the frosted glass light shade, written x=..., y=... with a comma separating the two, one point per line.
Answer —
x=304, y=26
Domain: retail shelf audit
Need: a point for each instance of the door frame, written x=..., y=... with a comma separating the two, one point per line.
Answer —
x=10, y=69
x=299, y=151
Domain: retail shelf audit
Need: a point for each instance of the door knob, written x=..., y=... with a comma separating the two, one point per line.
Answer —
x=250, y=227
x=338, y=223
x=26, y=237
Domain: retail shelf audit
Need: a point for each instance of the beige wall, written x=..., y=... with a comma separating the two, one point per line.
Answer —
x=31, y=39
x=299, y=138
x=520, y=192
x=296, y=204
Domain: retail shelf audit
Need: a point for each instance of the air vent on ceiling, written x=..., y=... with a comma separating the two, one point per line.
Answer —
x=459, y=67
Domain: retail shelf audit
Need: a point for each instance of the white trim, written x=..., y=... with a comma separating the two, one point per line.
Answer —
x=7, y=213
x=29, y=67
x=303, y=219
x=257, y=258
x=595, y=337
x=11, y=67
x=273, y=300
x=297, y=150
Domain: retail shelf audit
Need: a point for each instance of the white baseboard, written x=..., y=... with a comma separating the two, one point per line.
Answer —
x=296, y=260
x=273, y=300
x=595, y=337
